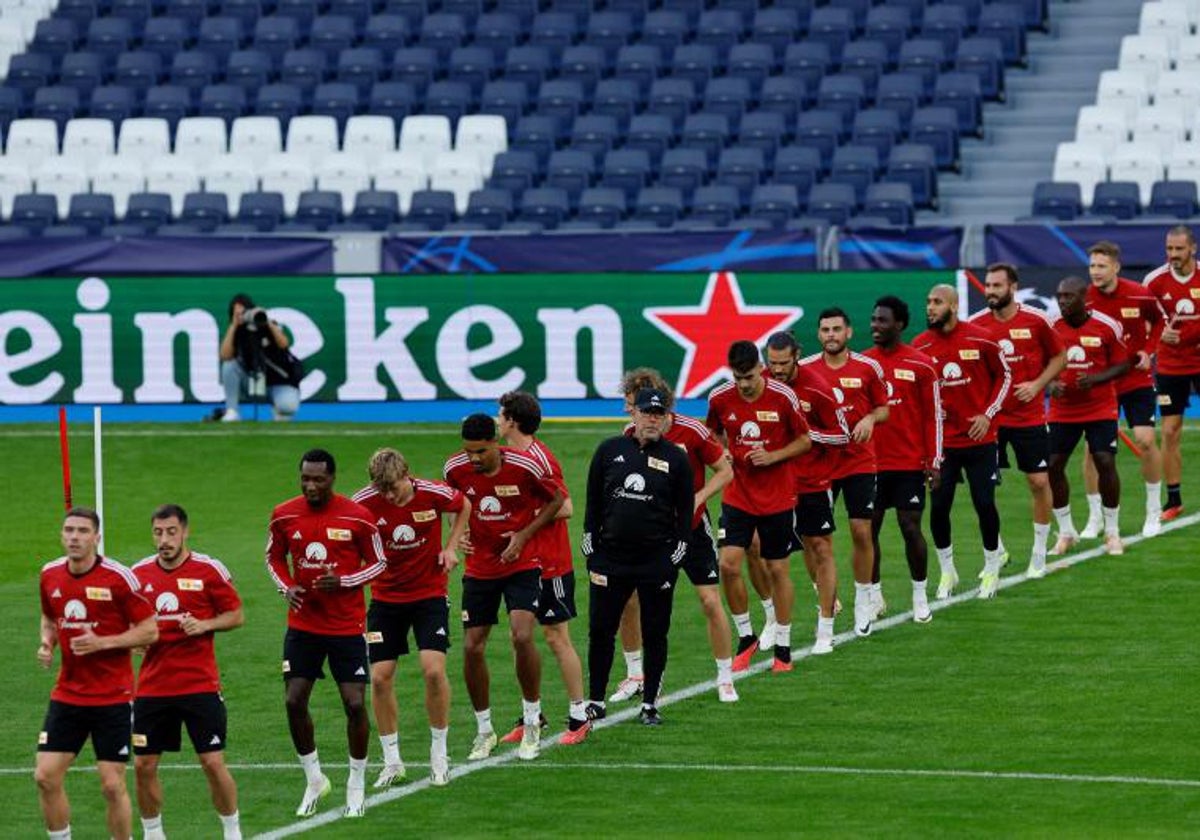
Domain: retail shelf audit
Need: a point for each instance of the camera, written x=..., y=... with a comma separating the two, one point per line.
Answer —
x=255, y=318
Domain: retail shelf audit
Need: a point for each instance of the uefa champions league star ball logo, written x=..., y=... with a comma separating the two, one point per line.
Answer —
x=489, y=504
x=1007, y=347
x=316, y=552
x=750, y=431
x=404, y=534
x=166, y=603
x=75, y=610
x=1076, y=354
x=635, y=483
x=951, y=371
x=1185, y=307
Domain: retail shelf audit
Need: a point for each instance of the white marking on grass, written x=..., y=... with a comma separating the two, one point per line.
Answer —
x=335, y=814
x=293, y=431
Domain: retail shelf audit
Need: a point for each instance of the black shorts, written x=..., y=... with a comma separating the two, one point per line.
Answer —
x=67, y=726
x=556, y=604
x=388, y=625
x=700, y=564
x=776, y=531
x=481, y=596
x=979, y=464
x=1138, y=406
x=900, y=489
x=1175, y=391
x=157, y=722
x=814, y=514
x=1101, y=436
x=859, y=492
x=304, y=655
x=1031, y=445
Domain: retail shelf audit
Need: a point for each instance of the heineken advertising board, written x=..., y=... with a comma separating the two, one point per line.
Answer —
x=155, y=340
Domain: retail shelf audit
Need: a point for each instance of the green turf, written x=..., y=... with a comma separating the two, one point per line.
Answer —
x=1091, y=672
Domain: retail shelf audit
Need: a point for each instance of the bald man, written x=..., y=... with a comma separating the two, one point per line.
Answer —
x=975, y=381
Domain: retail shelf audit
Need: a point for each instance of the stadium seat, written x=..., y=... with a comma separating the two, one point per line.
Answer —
x=61, y=178
x=751, y=61
x=14, y=180
x=651, y=133
x=506, y=99
x=947, y=23
x=720, y=29
x=1139, y=162
x=1148, y=54
x=893, y=201
x=914, y=164
x=227, y=102
x=368, y=137
x=86, y=141
x=431, y=209
x=143, y=139
x=303, y=12
x=775, y=203
x=288, y=174
x=890, y=25
x=684, y=169
x=233, y=175
x=673, y=99
x=1184, y=163
x=937, y=126
x=205, y=210
x=925, y=58
x=246, y=11
x=31, y=141
x=609, y=30
x=560, y=98
x=262, y=210
x=1083, y=164
x=664, y=29
x=1159, y=126
x=319, y=208
x=1126, y=89
x=443, y=32
x=902, y=93
x=868, y=60
x=764, y=130
x=109, y=37
x=402, y=173
x=28, y=72
x=514, y=171
x=658, y=206
x=1103, y=126
x=570, y=170
x=475, y=66
x=833, y=203
x=375, y=209
x=627, y=170
x=1061, y=201
x=799, y=166
x=173, y=177
x=605, y=206
x=249, y=70
x=389, y=32
x=832, y=26
x=777, y=28
x=820, y=130
x=358, y=11
x=497, y=32
x=616, y=98
x=332, y=34
x=57, y=103
x=1004, y=22
x=984, y=57
x=488, y=209
x=458, y=173
x=312, y=138
x=164, y=36
x=305, y=68
x=84, y=71
x=1178, y=91
x=1174, y=198
x=119, y=177
x=728, y=96
x=529, y=64
x=697, y=62
x=335, y=99
x=148, y=210
x=220, y=36
x=707, y=131
x=34, y=211
x=784, y=95
x=276, y=35
x=55, y=37
x=715, y=205
x=595, y=134
x=200, y=139
x=547, y=206
x=345, y=174
x=857, y=166
x=963, y=93
x=255, y=139
x=1116, y=199
x=877, y=127
x=193, y=70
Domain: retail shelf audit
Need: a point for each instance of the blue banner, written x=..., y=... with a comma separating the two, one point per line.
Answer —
x=199, y=255
x=677, y=251
x=885, y=249
x=1066, y=245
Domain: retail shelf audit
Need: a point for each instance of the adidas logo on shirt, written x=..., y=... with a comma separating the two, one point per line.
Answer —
x=620, y=459
x=56, y=594
x=731, y=416
x=296, y=535
x=381, y=521
x=470, y=491
x=149, y=588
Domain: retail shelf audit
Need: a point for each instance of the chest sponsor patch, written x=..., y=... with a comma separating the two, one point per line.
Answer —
x=905, y=374
x=374, y=637
x=508, y=490
x=1090, y=340
x=98, y=593
x=658, y=464
x=1195, y=293
x=805, y=406
x=598, y=579
x=424, y=515
x=190, y=585
x=968, y=354
x=139, y=740
x=850, y=382
x=1019, y=333
x=1130, y=312
x=767, y=416
x=339, y=534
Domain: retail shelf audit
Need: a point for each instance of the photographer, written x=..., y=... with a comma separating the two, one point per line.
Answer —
x=255, y=361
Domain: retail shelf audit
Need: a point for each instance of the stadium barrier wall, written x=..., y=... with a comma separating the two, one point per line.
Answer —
x=1066, y=245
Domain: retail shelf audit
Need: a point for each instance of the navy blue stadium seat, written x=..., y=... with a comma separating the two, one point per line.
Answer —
x=658, y=206
x=27, y=72
x=137, y=12
x=488, y=209
x=375, y=209
x=276, y=35
x=249, y=69
x=56, y=102
x=555, y=30
x=35, y=211
x=84, y=71
x=504, y=97
x=902, y=93
x=766, y=130
x=833, y=203
x=751, y=61
x=866, y=59
x=1172, y=198
x=189, y=11
x=450, y=99
x=915, y=164
x=743, y=168
x=984, y=57
x=304, y=12
x=387, y=33
x=627, y=170
x=331, y=34
x=139, y=70
x=205, y=210
x=560, y=98
x=609, y=30
x=925, y=57
x=708, y=131
x=937, y=126
x=109, y=37
x=165, y=36
x=583, y=63
x=777, y=28
x=832, y=26
x=720, y=29
x=857, y=166
x=55, y=37
x=775, y=203
x=672, y=98
x=715, y=205
x=807, y=60
x=539, y=134
x=392, y=99
x=319, y=208
x=225, y=101
x=617, y=98
x=971, y=10
x=547, y=206
x=336, y=99
x=606, y=206
x=91, y=211
x=11, y=107
x=697, y=62
x=963, y=93
x=821, y=130
x=170, y=102
x=690, y=8
x=496, y=31
x=891, y=26
x=468, y=9
x=113, y=102
x=634, y=8
x=263, y=210
x=1117, y=199
x=572, y=171
x=857, y=8
x=304, y=68
x=728, y=96
x=947, y=23
x=797, y=165
x=1062, y=201
x=358, y=11
x=683, y=168
x=783, y=95
x=415, y=65
x=523, y=10
x=193, y=70
x=220, y=36
x=877, y=127
x=1005, y=22
x=665, y=29
x=514, y=171
x=246, y=11
x=529, y=64
x=279, y=100
x=411, y=10
x=79, y=12
x=473, y=65
x=595, y=134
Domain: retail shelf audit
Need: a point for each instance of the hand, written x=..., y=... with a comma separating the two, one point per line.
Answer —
x=512, y=552
x=679, y=553
x=45, y=655
x=295, y=596
x=192, y=626
x=933, y=477
x=728, y=456
x=235, y=317
x=140, y=650
x=585, y=545
x=448, y=558
x=1170, y=335
x=1056, y=388
x=1083, y=382
x=978, y=429
x=87, y=642
x=1026, y=391
x=862, y=430
x=464, y=543
x=328, y=582
x=760, y=457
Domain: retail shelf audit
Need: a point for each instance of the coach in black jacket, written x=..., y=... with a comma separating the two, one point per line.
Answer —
x=636, y=531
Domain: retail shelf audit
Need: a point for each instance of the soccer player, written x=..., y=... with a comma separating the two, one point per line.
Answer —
x=857, y=383
x=763, y=428
x=179, y=683
x=812, y=473
x=1177, y=287
x=411, y=595
x=1137, y=311
x=93, y=609
x=636, y=528
x=974, y=381
x=908, y=448
x=334, y=550
x=1083, y=403
x=520, y=418
x=1035, y=355
x=512, y=499
x=700, y=564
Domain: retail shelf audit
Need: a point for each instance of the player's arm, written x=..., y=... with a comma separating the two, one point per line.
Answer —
x=370, y=549
x=796, y=447
x=1118, y=365
x=595, y=493
x=721, y=474
x=142, y=634
x=682, y=482
x=544, y=517
x=567, y=510
x=1002, y=382
x=228, y=620
x=931, y=426
x=49, y=640
x=277, y=568
x=877, y=391
x=449, y=553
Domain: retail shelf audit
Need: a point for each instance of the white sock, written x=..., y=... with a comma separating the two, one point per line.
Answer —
x=633, y=664
x=152, y=824
x=437, y=741
x=1066, y=528
x=742, y=622
x=231, y=826
x=577, y=710
x=1093, y=500
x=920, y=598
x=783, y=636
x=1154, y=496
x=993, y=560
x=724, y=671
x=862, y=593
x=358, y=773
x=877, y=591
x=531, y=712
x=61, y=834
x=312, y=768
x=1111, y=526
x=391, y=749
x=768, y=605
x=1041, y=536
x=945, y=558
x=483, y=721
x=825, y=627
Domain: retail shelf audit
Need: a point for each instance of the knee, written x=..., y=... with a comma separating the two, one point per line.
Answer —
x=1038, y=481
x=145, y=769
x=731, y=567
x=113, y=787
x=474, y=648
x=355, y=705
x=47, y=781
x=1144, y=437
x=521, y=634
x=381, y=683
x=433, y=675
x=212, y=763
x=710, y=604
x=296, y=704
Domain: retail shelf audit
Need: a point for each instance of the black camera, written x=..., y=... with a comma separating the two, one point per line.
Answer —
x=255, y=318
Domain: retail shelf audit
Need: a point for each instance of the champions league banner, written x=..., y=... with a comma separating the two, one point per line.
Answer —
x=743, y=250
x=1142, y=246
x=892, y=250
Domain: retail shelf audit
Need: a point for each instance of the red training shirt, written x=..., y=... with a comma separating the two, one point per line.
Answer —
x=1028, y=343
x=702, y=449
x=911, y=439
x=1137, y=311
x=973, y=377
x=177, y=663
x=1179, y=300
x=552, y=544
x=1092, y=348
x=859, y=389
x=107, y=600
x=813, y=471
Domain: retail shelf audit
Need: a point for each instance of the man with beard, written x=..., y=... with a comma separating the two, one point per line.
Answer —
x=909, y=446
x=975, y=381
x=1035, y=355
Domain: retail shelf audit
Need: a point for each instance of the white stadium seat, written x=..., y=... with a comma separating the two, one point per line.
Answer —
x=1179, y=90
x=1084, y=164
x=1137, y=162
x=402, y=173
x=14, y=181
x=174, y=177
x=1184, y=163
x=1160, y=127
x=458, y=173
x=120, y=177
x=1101, y=125
x=1167, y=19
x=1127, y=89
x=486, y=135
x=61, y=178
x=368, y=137
x=345, y=174
x=86, y=140
x=312, y=137
x=1149, y=53
x=1188, y=59
x=426, y=134
x=144, y=139
x=200, y=140
x=31, y=142
x=256, y=139
x=288, y=174
x=232, y=175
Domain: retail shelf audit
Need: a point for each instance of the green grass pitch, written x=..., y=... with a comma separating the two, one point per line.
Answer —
x=1066, y=707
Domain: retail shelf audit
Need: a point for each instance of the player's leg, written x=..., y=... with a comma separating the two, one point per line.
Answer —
x=703, y=571
x=607, y=597
x=916, y=554
x=737, y=533
x=941, y=501
x=858, y=496
x=760, y=580
x=1033, y=459
x=656, y=599
x=1139, y=407
x=1064, y=437
x=207, y=725
x=777, y=536
x=119, y=815
x=156, y=724
x=1174, y=395
x=437, y=709
x=48, y=774
x=1091, y=486
x=387, y=640
x=631, y=646
x=522, y=592
x=149, y=794
x=1102, y=443
x=981, y=470
x=350, y=667
x=555, y=612
x=481, y=611
x=223, y=791
x=818, y=554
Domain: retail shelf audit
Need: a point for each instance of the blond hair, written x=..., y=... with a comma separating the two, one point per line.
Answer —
x=386, y=468
x=646, y=377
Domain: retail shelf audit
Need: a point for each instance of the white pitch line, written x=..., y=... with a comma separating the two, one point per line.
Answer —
x=382, y=430
x=334, y=814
